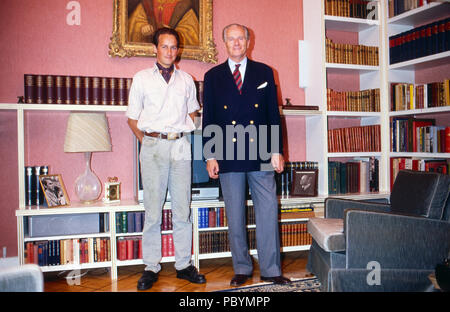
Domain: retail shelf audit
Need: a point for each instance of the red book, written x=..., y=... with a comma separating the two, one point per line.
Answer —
x=129, y=249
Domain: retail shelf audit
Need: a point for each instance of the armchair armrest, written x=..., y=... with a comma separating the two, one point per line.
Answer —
x=395, y=241
x=335, y=207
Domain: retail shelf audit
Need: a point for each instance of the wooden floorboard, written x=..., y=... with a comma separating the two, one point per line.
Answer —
x=218, y=273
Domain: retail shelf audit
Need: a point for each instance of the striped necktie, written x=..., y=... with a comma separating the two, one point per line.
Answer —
x=237, y=78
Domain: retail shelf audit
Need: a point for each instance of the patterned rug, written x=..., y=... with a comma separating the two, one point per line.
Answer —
x=310, y=284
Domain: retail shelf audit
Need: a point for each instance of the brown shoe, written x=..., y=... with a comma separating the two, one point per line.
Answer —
x=281, y=280
x=239, y=279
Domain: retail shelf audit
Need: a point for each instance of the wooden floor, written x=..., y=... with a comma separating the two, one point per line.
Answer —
x=218, y=273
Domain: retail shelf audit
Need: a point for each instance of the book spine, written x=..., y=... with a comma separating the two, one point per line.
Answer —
x=29, y=186
x=59, y=90
x=50, y=84
x=40, y=92
x=104, y=91
x=77, y=90
x=96, y=89
x=69, y=89
x=112, y=91
x=87, y=90
x=121, y=91
x=29, y=89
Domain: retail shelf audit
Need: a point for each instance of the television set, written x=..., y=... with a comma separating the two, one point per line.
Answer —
x=203, y=187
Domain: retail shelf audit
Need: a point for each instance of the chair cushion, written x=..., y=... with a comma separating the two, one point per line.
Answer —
x=420, y=193
x=328, y=233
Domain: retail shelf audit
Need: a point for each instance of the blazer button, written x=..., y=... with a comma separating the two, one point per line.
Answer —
x=233, y=122
x=256, y=105
x=234, y=140
x=225, y=107
x=252, y=122
x=251, y=140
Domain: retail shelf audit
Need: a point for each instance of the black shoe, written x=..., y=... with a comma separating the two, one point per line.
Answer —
x=239, y=279
x=147, y=279
x=191, y=274
x=281, y=280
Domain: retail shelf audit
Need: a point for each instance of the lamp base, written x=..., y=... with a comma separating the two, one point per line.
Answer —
x=87, y=185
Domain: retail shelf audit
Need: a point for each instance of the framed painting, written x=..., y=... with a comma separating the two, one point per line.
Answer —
x=135, y=21
x=305, y=183
x=54, y=190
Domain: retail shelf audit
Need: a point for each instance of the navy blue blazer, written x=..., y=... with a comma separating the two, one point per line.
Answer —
x=241, y=130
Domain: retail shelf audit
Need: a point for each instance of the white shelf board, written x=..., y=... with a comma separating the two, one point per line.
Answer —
x=64, y=107
x=419, y=155
x=361, y=69
x=353, y=114
x=295, y=112
x=423, y=111
x=349, y=23
x=356, y=154
x=438, y=59
x=423, y=14
x=71, y=267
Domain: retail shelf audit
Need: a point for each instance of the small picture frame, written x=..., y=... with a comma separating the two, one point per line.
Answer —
x=54, y=190
x=112, y=192
x=305, y=183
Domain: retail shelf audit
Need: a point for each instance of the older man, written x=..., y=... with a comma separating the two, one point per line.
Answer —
x=240, y=102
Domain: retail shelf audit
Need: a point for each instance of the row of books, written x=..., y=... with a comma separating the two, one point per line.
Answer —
x=130, y=221
x=129, y=248
x=354, y=139
x=357, y=176
x=284, y=180
x=344, y=53
x=294, y=234
x=291, y=234
x=64, y=89
x=406, y=96
x=421, y=41
x=397, y=7
x=68, y=251
x=350, y=8
x=354, y=101
x=430, y=165
x=410, y=134
x=214, y=217
x=217, y=241
x=34, y=194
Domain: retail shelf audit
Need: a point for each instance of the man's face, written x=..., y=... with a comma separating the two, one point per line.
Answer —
x=166, y=51
x=236, y=43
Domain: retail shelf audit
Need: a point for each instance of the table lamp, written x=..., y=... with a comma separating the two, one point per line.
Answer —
x=87, y=133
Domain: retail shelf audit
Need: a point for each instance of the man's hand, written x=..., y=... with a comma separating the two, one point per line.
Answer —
x=212, y=166
x=277, y=162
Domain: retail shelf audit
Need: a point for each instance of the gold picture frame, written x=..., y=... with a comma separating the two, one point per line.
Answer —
x=137, y=20
x=54, y=190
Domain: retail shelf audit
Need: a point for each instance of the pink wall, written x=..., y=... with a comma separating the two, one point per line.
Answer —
x=36, y=39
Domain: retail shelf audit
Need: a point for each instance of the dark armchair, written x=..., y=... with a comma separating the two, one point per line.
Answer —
x=369, y=246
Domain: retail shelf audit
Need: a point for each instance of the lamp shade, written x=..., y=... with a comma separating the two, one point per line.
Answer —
x=87, y=132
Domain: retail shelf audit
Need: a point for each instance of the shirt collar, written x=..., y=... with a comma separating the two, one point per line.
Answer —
x=156, y=69
x=232, y=64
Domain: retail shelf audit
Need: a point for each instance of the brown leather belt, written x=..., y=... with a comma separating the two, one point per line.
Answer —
x=168, y=136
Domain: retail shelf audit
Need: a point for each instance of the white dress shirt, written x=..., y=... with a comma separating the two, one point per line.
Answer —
x=159, y=106
x=242, y=68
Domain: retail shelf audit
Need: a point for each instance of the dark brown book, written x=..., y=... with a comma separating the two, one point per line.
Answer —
x=104, y=100
x=87, y=90
x=112, y=91
x=40, y=89
x=121, y=91
x=77, y=90
x=59, y=90
x=29, y=82
x=301, y=107
x=50, y=88
x=69, y=89
x=96, y=90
